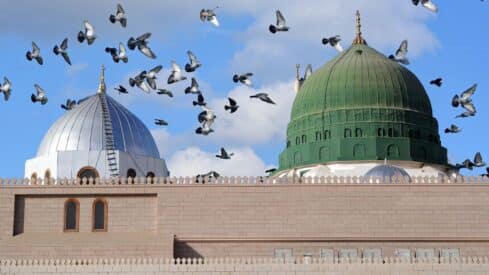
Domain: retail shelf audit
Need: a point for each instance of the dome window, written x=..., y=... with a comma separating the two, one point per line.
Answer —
x=131, y=173
x=358, y=132
x=297, y=140
x=381, y=132
x=318, y=136
x=87, y=173
x=150, y=176
x=304, y=138
x=327, y=134
x=347, y=133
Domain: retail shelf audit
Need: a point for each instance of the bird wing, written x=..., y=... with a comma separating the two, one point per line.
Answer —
x=223, y=152
x=40, y=92
x=122, y=49
x=232, y=102
x=338, y=47
x=146, y=51
x=64, y=44
x=35, y=49
x=248, y=74
x=156, y=69
x=6, y=84
x=213, y=20
x=402, y=50
x=120, y=10
x=66, y=58
x=468, y=93
x=429, y=5
x=280, y=19
x=469, y=107
x=89, y=30
x=308, y=72
x=478, y=158
x=194, y=83
x=200, y=98
x=175, y=67
x=144, y=36
x=415, y=2
x=143, y=86
x=192, y=58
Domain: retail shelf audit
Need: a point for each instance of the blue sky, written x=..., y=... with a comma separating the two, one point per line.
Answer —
x=451, y=44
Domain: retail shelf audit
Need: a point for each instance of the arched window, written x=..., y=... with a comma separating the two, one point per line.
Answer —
x=99, y=211
x=297, y=140
x=87, y=172
x=304, y=138
x=327, y=134
x=390, y=132
x=347, y=133
x=358, y=132
x=318, y=135
x=150, y=176
x=72, y=215
x=34, y=177
x=381, y=132
x=47, y=176
x=131, y=173
x=393, y=150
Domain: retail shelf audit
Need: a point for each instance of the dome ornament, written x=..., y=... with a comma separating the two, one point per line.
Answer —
x=359, y=39
x=101, y=87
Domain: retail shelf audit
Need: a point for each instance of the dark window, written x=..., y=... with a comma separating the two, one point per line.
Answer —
x=150, y=176
x=417, y=134
x=47, y=175
x=381, y=132
x=411, y=133
x=288, y=143
x=131, y=173
x=304, y=138
x=358, y=132
x=71, y=215
x=87, y=172
x=318, y=135
x=297, y=140
x=327, y=134
x=390, y=132
x=347, y=133
x=100, y=215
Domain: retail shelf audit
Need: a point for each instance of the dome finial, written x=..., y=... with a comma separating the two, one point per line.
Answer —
x=101, y=86
x=359, y=39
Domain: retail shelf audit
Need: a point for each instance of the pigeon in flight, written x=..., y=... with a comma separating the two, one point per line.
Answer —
x=263, y=97
x=193, y=88
x=200, y=101
x=280, y=26
x=334, y=41
x=438, y=82
x=139, y=82
x=88, y=35
x=465, y=100
x=120, y=16
x=160, y=122
x=151, y=76
x=467, y=164
x=300, y=80
x=40, y=97
x=427, y=4
x=453, y=129
x=244, y=78
x=165, y=92
x=401, y=53
x=271, y=170
x=118, y=55
x=142, y=43
x=194, y=63
x=62, y=50
x=206, y=117
x=204, y=130
x=35, y=54
x=478, y=161
x=6, y=89
x=121, y=89
x=176, y=74
x=70, y=104
x=209, y=15
x=224, y=155
x=232, y=107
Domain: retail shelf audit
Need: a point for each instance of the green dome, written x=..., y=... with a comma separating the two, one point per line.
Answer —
x=361, y=106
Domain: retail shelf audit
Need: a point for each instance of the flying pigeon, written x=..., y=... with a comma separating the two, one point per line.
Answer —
x=194, y=63
x=334, y=41
x=151, y=76
x=193, y=88
x=160, y=122
x=467, y=164
x=119, y=16
x=243, y=78
x=200, y=101
x=206, y=117
x=89, y=33
x=165, y=92
x=271, y=170
x=453, y=129
x=224, y=155
x=142, y=43
x=70, y=104
x=232, y=107
x=300, y=80
x=118, y=55
x=41, y=95
x=465, y=100
x=35, y=54
x=176, y=74
x=62, y=50
x=6, y=89
x=437, y=82
x=478, y=161
x=427, y=4
x=204, y=130
x=280, y=26
x=209, y=15
x=121, y=89
x=401, y=53
x=263, y=97
x=139, y=81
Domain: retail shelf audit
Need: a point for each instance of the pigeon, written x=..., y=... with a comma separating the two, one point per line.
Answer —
x=119, y=16
x=232, y=107
x=209, y=15
x=70, y=104
x=35, y=54
x=334, y=41
x=6, y=89
x=88, y=35
x=427, y=4
x=118, y=55
x=401, y=53
x=176, y=74
x=193, y=88
x=194, y=63
x=207, y=116
x=207, y=176
x=280, y=26
x=465, y=100
x=204, y=130
x=300, y=80
x=200, y=101
x=271, y=170
x=160, y=122
x=224, y=155
x=142, y=43
x=478, y=161
x=121, y=89
x=453, y=129
x=151, y=76
x=487, y=173
x=244, y=78
x=139, y=81
x=165, y=92
x=263, y=97
x=41, y=95
x=467, y=164
x=437, y=82
x=62, y=50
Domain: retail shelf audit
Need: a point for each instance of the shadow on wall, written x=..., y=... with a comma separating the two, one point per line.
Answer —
x=183, y=250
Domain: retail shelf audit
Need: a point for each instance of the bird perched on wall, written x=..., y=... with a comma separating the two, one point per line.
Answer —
x=437, y=82
x=401, y=53
x=486, y=174
x=118, y=54
x=427, y=4
x=465, y=100
x=62, y=49
x=120, y=16
x=35, y=54
x=334, y=41
x=139, y=82
x=194, y=63
x=70, y=104
x=142, y=44
x=200, y=101
x=121, y=89
x=6, y=88
x=88, y=34
x=207, y=176
x=263, y=97
x=165, y=92
x=151, y=76
x=40, y=95
x=224, y=155
x=210, y=16
x=243, y=78
x=160, y=122
x=280, y=26
x=300, y=80
x=232, y=107
x=478, y=161
x=193, y=88
x=453, y=129
x=176, y=74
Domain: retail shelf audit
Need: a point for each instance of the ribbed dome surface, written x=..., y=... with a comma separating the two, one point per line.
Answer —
x=386, y=170
x=82, y=129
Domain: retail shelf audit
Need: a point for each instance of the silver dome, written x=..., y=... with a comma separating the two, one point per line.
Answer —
x=386, y=170
x=82, y=129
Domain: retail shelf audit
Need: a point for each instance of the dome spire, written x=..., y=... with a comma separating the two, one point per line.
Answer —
x=101, y=86
x=359, y=39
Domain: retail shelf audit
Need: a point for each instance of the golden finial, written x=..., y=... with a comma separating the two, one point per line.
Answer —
x=359, y=39
x=101, y=86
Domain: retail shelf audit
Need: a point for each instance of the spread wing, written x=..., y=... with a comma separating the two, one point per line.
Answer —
x=223, y=152
x=64, y=44
x=232, y=102
x=122, y=49
x=193, y=58
x=66, y=58
x=35, y=49
x=40, y=92
x=403, y=48
x=156, y=69
x=120, y=10
x=469, y=107
x=194, y=83
x=469, y=92
x=89, y=30
x=280, y=19
x=147, y=51
x=175, y=67
x=308, y=72
x=144, y=36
